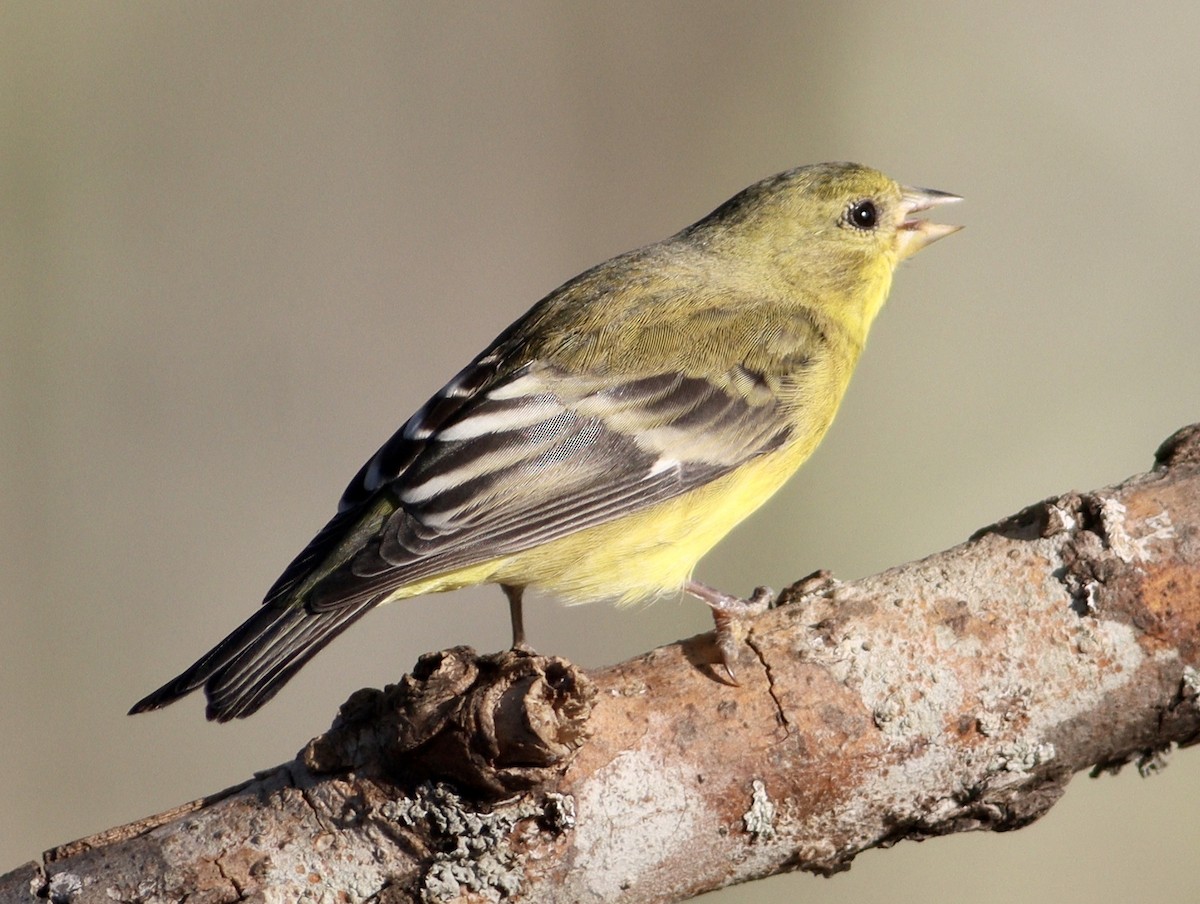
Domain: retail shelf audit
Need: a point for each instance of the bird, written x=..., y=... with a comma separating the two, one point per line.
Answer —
x=612, y=435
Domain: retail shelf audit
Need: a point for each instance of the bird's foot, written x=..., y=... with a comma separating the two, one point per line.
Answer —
x=729, y=613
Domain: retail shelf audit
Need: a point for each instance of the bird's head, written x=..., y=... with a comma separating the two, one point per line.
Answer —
x=832, y=233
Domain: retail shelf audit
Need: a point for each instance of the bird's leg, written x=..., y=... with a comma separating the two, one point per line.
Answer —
x=727, y=613
x=516, y=615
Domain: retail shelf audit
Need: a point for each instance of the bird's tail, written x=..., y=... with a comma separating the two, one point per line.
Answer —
x=248, y=667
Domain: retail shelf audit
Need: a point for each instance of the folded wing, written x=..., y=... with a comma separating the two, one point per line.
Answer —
x=499, y=461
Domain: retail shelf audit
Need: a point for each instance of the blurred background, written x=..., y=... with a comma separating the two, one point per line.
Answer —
x=243, y=242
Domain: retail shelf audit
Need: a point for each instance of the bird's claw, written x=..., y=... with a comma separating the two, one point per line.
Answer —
x=729, y=633
x=729, y=614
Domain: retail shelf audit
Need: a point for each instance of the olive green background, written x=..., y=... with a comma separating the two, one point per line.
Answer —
x=243, y=242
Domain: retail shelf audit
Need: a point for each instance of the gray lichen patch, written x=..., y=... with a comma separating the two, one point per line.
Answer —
x=558, y=812
x=1190, y=684
x=63, y=887
x=1127, y=547
x=759, y=820
x=1021, y=756
x=472, y=849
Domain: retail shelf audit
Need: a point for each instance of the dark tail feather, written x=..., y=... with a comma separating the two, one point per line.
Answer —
x=248, y=667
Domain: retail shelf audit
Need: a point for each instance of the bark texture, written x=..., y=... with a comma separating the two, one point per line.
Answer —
x=955, y=693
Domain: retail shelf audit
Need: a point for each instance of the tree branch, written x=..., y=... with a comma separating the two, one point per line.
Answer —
x=955, y=693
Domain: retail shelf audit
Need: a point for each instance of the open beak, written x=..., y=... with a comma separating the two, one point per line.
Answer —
x=914, y=234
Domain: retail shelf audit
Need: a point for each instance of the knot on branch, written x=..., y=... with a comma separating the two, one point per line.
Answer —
x=1180, y=448
x=495, y=724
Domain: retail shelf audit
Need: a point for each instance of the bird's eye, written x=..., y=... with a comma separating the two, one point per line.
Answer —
x=862, y=215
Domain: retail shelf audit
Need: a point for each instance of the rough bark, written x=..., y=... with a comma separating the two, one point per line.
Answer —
x=955, y=693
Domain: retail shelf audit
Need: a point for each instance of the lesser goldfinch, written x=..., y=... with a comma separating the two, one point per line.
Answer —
x=612, y=435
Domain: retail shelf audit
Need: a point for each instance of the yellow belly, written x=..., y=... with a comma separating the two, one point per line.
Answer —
x=653, y=552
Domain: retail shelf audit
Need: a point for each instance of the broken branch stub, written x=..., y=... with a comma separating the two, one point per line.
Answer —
x=494, y=724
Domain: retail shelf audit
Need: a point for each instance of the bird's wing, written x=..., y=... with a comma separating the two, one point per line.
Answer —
x=497, y=463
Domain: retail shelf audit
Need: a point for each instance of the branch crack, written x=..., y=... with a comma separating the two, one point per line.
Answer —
x=237, y=886
x=781, y=714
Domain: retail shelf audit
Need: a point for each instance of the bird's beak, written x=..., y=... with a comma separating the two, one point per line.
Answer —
x=914, y=234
